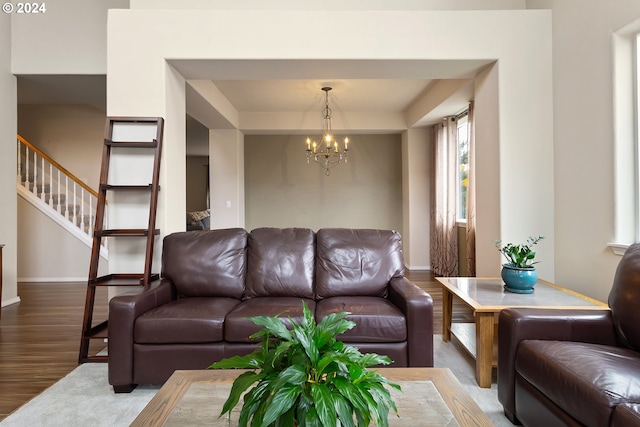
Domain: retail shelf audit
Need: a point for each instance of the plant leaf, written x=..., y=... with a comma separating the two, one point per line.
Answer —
x=325, y=404
x=282, y=401
x=275, y=325
x=287, y=419
x=344, y=410
x=311, y=419
x=306, y=340
x=351, y=393
x=331, y=326
x=308, y=321
x=383, y=400
x=294, y=374
x=252, y=401
x=239, y=386
x=305, y=404
x=372, y=408
x=371, y=359
x=249, y=361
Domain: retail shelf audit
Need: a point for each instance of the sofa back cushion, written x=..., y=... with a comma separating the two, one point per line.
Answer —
x=206, y=263
x=624, y=298
x=356, y=262
x=280, y=262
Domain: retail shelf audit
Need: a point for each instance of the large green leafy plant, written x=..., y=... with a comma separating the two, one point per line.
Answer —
x=306, y=377
x=520, y=256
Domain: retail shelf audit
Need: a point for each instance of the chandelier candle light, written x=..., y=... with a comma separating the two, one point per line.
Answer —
x=330, y=154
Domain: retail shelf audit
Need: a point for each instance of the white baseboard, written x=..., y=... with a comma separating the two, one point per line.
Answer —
x=11, y=301
x=52, y=279
x=418, y=267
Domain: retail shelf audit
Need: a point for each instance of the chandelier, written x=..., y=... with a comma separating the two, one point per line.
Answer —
x=328, y=153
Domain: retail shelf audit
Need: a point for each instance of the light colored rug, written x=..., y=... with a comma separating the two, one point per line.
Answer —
x=84, y=397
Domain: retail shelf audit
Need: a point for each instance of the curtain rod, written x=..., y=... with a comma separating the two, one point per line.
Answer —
x=460, y=115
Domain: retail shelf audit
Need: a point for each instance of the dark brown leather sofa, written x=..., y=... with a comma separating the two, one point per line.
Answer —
x=575, y=368
x=213, y=281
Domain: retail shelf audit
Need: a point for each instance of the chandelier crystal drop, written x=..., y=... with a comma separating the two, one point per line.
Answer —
x=328, y=152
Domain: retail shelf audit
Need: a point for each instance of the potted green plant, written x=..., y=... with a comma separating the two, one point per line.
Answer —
x=519, y=273
x=306, y=377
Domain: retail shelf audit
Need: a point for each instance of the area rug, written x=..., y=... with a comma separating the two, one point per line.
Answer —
x=84, y=397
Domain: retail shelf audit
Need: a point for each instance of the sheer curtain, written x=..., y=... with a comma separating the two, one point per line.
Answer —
x=444, y=241
x=471, y=196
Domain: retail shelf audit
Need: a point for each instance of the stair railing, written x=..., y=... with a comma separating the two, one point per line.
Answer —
x=56, y=187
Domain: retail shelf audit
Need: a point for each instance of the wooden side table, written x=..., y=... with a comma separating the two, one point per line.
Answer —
x=486, y=297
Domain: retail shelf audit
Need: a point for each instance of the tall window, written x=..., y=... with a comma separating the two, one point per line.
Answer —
x=626, y=108
x=463, y=167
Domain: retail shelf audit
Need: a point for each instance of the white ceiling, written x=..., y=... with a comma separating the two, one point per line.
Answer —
x=299, y=95
x=389, y=86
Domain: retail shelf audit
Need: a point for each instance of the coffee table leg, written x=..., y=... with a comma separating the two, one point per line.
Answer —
x=447, y=314
x=484, y=348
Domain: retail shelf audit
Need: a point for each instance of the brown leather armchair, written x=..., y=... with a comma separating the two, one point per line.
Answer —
x=213, y=281
x=572, y=367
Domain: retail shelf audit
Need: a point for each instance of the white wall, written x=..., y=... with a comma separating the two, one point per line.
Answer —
x=72, y=135
x=69, y=38
x=282, y=190
x=49, y=253
x=416, y=201
x=226, y=160
x=584, y=135
x=8, y=129
x=489, y=172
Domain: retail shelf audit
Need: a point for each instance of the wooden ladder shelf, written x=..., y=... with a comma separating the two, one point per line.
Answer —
x=141, y=280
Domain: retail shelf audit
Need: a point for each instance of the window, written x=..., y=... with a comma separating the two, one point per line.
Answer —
x=626, y=102
x=463, y=167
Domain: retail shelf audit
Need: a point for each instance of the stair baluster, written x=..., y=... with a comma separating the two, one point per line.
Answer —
x=42, y=194
x=34, y=188
x=59, y=201
x=19, y=176
x=50, y=189
x=66, y=197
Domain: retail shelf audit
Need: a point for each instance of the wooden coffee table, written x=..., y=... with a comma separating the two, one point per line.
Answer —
x=187, y=398
x=486, y=297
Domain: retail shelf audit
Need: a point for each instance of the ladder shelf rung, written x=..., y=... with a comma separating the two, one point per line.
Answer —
x=94, y=359
x=141, y=187
x=132, y=144
x=99, y=331
x=122, y=279
x=129, y=232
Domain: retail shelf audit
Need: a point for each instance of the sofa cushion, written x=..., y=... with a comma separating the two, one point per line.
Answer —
x=238, y=327
x=280, y=262
x=377, y=319
x=356, y=262
x=626, y=415
x=186, y=320
x=624, y=299
x=586, y=380
x=208, y=263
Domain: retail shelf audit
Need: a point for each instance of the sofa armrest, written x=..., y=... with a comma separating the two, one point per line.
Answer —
x=123, y=311
x=417, y=306
x=519, y=324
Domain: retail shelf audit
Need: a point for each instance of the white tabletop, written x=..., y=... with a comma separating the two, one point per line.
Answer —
x=489, y=295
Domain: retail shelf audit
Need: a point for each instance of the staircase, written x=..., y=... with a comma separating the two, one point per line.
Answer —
x=57, y=193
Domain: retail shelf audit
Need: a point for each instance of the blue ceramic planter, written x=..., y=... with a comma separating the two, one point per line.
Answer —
x=519, y=280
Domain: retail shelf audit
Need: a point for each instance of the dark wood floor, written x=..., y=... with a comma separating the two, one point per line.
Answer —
x=40, y=336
